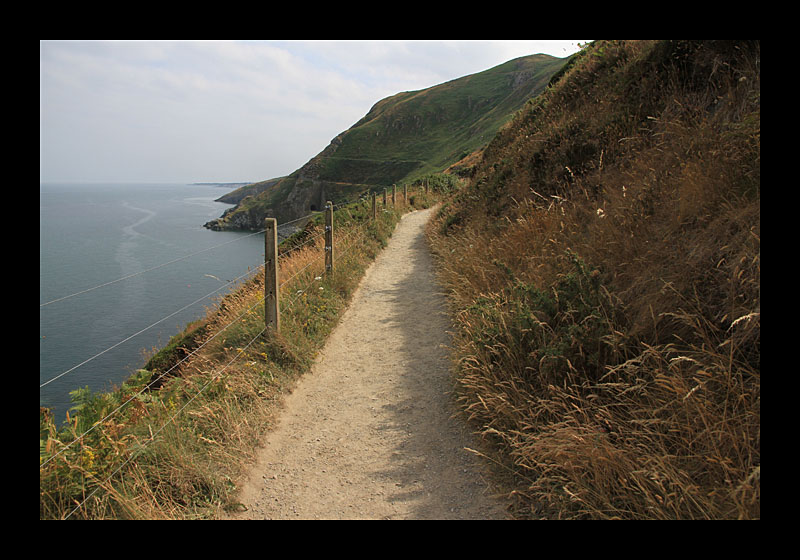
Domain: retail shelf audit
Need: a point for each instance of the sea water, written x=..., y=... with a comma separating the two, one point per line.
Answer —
x=93, y=235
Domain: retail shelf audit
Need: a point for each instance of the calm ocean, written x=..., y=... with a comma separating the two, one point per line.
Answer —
x=92, y=234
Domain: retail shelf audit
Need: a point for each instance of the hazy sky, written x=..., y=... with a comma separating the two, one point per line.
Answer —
x=228, y=111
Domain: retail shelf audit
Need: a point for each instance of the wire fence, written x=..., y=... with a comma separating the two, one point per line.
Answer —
x=353, y=235
x=285, y=254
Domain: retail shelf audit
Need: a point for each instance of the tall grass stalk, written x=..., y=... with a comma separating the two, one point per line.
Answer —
x=604, y=273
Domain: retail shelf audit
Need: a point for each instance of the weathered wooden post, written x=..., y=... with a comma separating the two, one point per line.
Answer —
x=374, y=207
x=384, y=198
x=329, y=237
x=426, y=186
x=405, y=195
x=394, y=195
x=272, y=316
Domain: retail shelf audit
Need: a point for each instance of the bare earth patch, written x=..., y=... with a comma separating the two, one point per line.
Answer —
x=369, y=432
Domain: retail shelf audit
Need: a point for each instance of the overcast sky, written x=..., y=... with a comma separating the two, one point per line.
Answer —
x=224, y=111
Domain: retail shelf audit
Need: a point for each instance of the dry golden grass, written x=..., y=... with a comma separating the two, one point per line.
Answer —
x=604, y=271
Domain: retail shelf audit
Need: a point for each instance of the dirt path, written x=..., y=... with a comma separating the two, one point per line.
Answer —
x=369, y=433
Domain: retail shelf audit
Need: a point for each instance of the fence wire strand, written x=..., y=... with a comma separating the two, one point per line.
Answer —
x=152, y=381
x=350, y=240
x=150, y=326
x=169, y=421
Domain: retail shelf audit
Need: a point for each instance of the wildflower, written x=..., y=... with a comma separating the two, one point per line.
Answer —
x=87, y=458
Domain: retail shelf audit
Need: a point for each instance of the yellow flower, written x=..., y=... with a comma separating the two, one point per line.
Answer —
x=87, y=458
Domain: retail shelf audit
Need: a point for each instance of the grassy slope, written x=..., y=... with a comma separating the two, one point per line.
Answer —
x=436, y=126
x=236, y=196
x=604, y=267
x=412, y=134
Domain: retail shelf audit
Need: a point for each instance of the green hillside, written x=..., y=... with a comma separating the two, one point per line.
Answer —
x=402, y=138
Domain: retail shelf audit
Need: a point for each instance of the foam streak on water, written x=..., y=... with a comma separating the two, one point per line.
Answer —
x=93, y=234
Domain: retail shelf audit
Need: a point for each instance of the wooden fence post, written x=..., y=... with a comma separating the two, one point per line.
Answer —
x=329, y=237
x=272, y=316
x=394, y=195
x=384, y=198
x=374, y=208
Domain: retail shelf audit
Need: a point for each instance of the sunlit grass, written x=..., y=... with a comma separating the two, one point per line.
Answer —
x=173, y=440
x=604, y=271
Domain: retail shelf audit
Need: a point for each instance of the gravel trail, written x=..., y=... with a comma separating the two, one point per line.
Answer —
x=369, y=432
